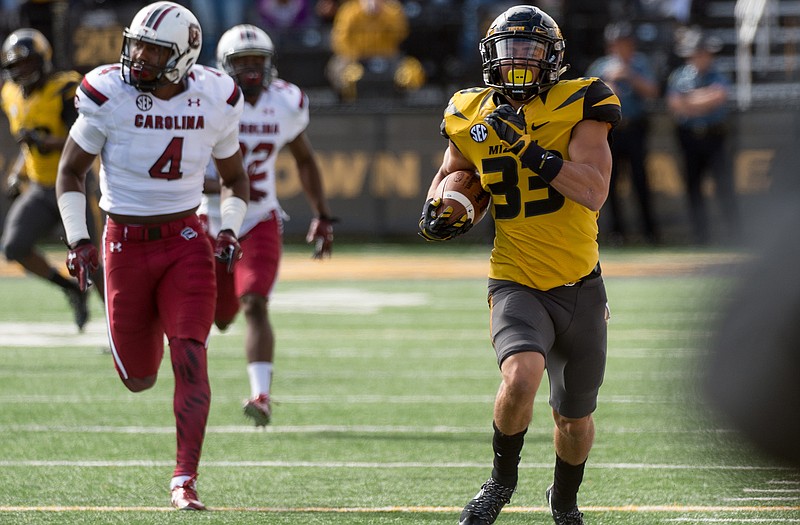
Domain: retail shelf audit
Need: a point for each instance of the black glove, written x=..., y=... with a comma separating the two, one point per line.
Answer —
x=82, y=261
x=227, y=250
x=435, y=227
x=512, y=130
x=33, y=138
x=320, y=232
x=13, y=186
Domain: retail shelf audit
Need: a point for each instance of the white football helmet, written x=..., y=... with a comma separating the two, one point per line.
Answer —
x=246, y=40
x=168, y=25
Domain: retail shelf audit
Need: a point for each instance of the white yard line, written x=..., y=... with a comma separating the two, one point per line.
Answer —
x=100, y=463
x=316, y=429
x=644, y=509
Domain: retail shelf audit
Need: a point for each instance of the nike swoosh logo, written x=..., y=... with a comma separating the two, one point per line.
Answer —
x=534, y=127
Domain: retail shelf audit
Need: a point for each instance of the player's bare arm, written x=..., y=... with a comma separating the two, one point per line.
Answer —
x=72, y=168
x=310, y=178
x=585, y=178
x=453, y=160
x=234, y=180
x=211, y=186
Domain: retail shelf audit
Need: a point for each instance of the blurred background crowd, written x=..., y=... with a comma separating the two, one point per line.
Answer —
x=426, y=47
x=709, y=90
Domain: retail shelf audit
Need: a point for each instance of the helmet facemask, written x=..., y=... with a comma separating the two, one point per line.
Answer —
x=522, y=53
x=26, y=72
x=252, y=70
x=520, y=66
x=247, y=45
x=26, y=58
x=144, y=76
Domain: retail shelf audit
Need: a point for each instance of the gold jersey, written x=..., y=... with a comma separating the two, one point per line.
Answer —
x=542, y=239
x=41, y=111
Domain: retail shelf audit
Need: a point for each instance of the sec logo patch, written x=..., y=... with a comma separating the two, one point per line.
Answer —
x=479, y=133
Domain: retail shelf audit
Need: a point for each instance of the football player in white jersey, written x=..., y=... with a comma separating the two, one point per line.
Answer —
x=156, y=119
x=276, y=115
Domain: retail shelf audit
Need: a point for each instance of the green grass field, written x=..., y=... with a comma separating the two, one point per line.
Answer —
x=384, y=391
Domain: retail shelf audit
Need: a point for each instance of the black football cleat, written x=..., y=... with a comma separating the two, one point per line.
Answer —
x=486, y=505
x=77, y=301
x=570, y=517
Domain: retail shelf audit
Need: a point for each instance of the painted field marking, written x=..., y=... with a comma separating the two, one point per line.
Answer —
x=413, y=509
x=137, y=463
x=735, y=520
x=316, y=429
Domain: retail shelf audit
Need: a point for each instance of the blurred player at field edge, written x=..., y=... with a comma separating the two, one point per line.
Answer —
x=156, y=118
x=541, y=146
x=39, y=105
x=276, y=115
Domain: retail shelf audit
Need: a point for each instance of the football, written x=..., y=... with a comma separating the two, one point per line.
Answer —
x=462, y=191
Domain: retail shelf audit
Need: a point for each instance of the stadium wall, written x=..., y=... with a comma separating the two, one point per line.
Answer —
x=377, y=165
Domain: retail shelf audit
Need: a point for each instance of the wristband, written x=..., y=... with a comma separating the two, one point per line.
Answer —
x=542, y=162
x=72, y=206
x=232, y=212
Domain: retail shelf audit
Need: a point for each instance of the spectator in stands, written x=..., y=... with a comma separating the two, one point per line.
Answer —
x=366, y=39
x=291, y=23
x=215, y=16
x=697, y=96
x=326, y=10
x=629, y=73
x=283, y=15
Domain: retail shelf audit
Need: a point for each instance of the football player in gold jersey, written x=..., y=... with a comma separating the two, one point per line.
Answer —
x=40, y=109
x=541, y=147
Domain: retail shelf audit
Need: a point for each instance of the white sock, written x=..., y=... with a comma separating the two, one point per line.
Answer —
x=178, y=481
x=260, y=374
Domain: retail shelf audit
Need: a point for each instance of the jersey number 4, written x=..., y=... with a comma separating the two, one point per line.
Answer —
x=168, y=165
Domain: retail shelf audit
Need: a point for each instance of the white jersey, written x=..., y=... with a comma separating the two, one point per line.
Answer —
x=277, y=118
x=154, y=152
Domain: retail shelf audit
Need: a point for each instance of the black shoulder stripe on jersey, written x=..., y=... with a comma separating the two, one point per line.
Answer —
x=597, y=91
x=489, y=96
x=66, y=88
x=94, y=95
x=581, y=93
x=453, y=110
x=234, y=98
x=442, y=130
x=595, y=106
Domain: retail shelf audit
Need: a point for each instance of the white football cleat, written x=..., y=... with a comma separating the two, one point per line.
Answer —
x=259, y=410
x=184, y=497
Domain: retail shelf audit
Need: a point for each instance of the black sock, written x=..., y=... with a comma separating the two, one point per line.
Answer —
x=506, y=456
x=59, y=280
x=566, y=482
